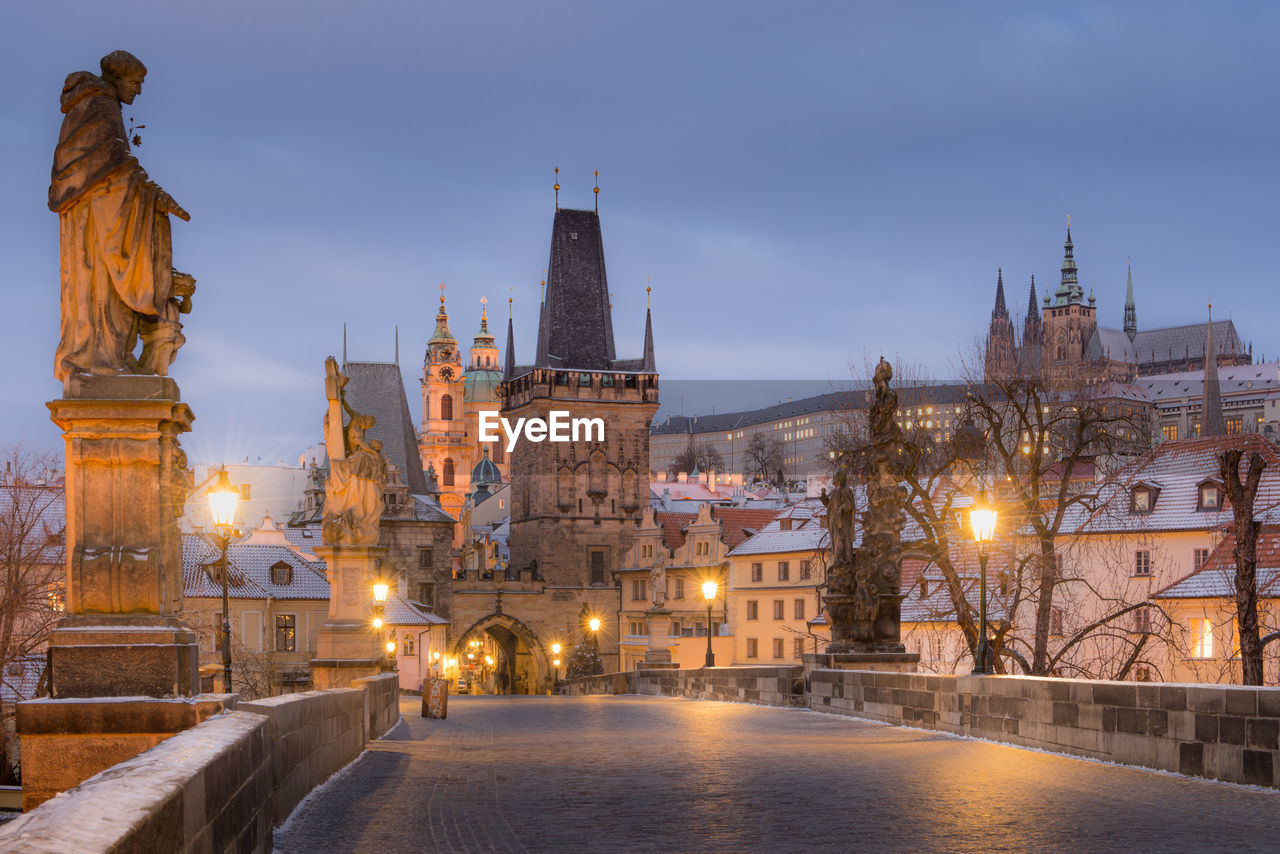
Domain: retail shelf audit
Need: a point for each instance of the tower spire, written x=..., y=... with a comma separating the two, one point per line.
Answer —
x=1130, y=310
x=557, y=188
x=509, y=364
x=1033, y=324
x=648, y=364
x=1069, y=291
x=1211, y=421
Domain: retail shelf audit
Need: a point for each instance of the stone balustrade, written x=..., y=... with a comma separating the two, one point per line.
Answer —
x=221, y=785
x=766, y=686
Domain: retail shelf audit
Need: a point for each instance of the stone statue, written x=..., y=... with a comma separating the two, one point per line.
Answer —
x=863, y=598
x=658, y=580
x=842, y=508
x=118, y=281
x=357, y=470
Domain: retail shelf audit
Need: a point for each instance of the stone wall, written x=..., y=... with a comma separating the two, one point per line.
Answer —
x=1225, y=732
x=766, y=686
x=220, y=785
x=206, y=789
x=381, y=703
x=313, y=734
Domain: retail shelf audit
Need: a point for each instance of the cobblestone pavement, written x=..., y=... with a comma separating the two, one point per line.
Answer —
x=660, y=774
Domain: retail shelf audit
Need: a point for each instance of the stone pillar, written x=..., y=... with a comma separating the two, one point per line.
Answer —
x=125, y=487
x=348, y=648
x=658, y=655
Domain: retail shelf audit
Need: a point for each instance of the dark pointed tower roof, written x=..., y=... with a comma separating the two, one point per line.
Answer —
x=1000, y=310
x=576, y=327
x=509, y=364
x=1211, y=420
x=648, y=365
x=377, y=389
x=1069, y=291
x=1130, y=310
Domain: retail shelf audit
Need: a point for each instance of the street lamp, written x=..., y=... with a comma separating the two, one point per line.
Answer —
x=983, y=519
x=594, y=624
x=709, y=593
x=223, y=498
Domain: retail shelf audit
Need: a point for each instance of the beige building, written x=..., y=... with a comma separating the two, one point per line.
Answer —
x=773, y=588
x=279, y=598
x=691, y=548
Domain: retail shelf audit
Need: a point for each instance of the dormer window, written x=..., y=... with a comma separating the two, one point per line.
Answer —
x=784, y=524
x=281, y=573
x=1209, y=497
x=1141, y=500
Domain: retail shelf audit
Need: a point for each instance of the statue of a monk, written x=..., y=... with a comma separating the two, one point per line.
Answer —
x=118, y=281
x=357, y=471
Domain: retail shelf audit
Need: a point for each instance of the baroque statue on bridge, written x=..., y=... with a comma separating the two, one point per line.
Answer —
x=118, y=281
x=357, y=469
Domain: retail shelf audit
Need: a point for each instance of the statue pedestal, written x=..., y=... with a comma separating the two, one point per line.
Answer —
x=348, y=647
x=125, y=487
x=123, y=667
x=888, y=660
x=658, y=655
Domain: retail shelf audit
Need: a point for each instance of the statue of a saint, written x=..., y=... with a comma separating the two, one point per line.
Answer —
x=118, y=281
x=842, y=509
x=658, y=580
x=357, y=470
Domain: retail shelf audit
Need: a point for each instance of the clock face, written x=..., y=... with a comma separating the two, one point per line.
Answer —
x=446, y=374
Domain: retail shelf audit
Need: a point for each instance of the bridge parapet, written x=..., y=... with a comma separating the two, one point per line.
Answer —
x=766, y=686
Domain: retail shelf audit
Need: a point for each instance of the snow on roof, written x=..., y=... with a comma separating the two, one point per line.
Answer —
x=398, y=611
x=1216, y=578
x=251, y=575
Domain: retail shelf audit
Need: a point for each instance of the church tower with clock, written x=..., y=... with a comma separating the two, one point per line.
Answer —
x=442, y=437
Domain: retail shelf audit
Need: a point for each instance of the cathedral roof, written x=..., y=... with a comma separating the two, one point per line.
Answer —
x=1113, y=344
x=377, y=389
x=1159, y=345
x=486, y=471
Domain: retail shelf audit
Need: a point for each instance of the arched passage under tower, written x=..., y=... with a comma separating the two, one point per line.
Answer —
x=499, y=654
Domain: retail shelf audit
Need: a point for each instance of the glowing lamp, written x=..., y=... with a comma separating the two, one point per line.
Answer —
x=709, y=589
x=594, y=623
x=556, y=662
x=488, y=659
x=223, y=498
x=555, y=649
x=377, y=622
x=983, y=519
x=380, y=592
x=391, y=646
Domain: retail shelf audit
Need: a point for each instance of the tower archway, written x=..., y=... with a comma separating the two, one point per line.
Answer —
x=520, y=664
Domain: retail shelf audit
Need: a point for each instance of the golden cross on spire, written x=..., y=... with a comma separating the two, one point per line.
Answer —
x=442, y=296
x=510, y=299
x=484, y=301
x=557, y=188
x=648, y=294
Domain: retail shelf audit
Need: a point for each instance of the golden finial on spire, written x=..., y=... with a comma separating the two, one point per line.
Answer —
x=510, y=300
x=597, y=190
x=484, y=301
x=648, y=294
x=557, y=188
x=610, y=299
x=442, y=296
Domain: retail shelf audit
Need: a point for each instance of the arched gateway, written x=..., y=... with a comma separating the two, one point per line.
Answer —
x=520, y=664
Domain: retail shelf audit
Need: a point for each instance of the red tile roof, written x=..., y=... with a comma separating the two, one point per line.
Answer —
x=672, y=525
x=738, y=523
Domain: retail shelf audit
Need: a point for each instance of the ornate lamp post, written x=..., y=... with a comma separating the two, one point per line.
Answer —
x=380, y=590
x=594, y=625
x=709, y=593
x=983, y=519
x=223, y=498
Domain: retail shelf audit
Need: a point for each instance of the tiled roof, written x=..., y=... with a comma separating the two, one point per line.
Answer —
x=20, y=678
x=398, y=611
x=377, y=389
x=935, y=605
x=672, y=527
x=738, y=523
x=806, y=534
x=304, y=537
x=1110, y=343
x=1216, y=579
x=251, y=576
x=1243, y=380
x=1180, y=467
x=836, y=401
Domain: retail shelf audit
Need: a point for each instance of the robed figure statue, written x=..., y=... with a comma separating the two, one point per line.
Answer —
x=357, y=469
x=118, y=281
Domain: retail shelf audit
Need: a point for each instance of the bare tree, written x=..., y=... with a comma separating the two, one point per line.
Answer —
x=32, y=547
x=703, y=458
x=764, y=455
x=1241, y=494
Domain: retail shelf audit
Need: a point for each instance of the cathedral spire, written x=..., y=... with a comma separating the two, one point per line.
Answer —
x=1069, y=291
x=1130, y=310
x=1033, y=325
x=442, y=321
x=1000, y=310
x=1211, y=421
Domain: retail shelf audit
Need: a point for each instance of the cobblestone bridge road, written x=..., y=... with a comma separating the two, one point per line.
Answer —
x=661, y=774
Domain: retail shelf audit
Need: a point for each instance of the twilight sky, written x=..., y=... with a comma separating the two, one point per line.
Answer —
x=806, y=183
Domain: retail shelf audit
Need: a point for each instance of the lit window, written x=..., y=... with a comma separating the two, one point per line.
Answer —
x=286, y=632
x=408, y=645
x=1200, y=633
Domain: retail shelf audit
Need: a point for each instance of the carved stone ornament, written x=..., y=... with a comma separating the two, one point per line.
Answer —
x=357, y=470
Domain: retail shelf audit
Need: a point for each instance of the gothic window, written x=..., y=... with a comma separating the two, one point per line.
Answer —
x=1062, y=345
x=446, y=407
x=446, y=477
